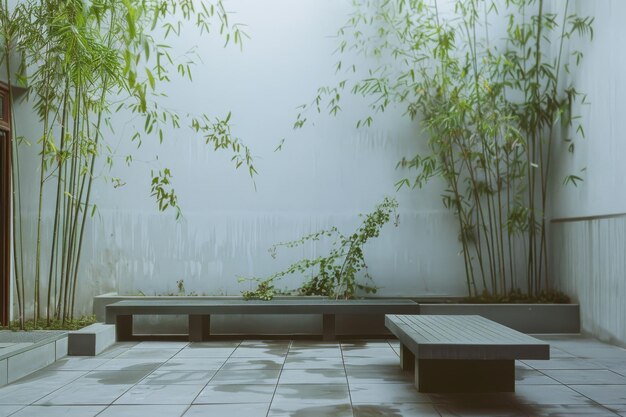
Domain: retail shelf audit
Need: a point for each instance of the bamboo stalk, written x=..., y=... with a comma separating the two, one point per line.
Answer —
x=70, y=182
x=18, y=256
x=42, y=166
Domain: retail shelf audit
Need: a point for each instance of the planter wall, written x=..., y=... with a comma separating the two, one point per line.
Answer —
x=526, y=318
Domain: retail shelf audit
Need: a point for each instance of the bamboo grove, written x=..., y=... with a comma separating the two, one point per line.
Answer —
x=485, y=81
x=79, y=60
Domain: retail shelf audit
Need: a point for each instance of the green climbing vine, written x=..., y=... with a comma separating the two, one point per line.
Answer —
x=342, y=273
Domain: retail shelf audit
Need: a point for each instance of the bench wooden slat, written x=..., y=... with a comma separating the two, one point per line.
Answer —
x=463, y=337
x=471, y=329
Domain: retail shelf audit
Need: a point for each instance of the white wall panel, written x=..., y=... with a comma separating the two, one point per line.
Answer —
x=588, y=255
x=603, y=151
x=589, y=258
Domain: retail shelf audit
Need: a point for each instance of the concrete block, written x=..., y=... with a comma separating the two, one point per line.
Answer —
x=101, y=301
x=91, y=340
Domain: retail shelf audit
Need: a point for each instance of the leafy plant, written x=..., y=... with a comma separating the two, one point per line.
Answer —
x=163, y=192
x=493, y=105
x=83, y=61
x=337, y=274
x=180, y=291
x=264, y=291
x=180, y=285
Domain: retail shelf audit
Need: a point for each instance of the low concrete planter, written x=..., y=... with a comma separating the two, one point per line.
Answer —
x=19, y=359
x=526, y=318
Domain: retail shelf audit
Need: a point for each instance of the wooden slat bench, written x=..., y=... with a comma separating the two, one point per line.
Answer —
x=199, y=311
x=462, y=353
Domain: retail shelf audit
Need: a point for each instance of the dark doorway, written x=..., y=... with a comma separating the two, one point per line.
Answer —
x=5, y=205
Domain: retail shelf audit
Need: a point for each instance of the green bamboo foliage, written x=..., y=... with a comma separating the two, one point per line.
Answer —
x=492, y=103
x=80, y=59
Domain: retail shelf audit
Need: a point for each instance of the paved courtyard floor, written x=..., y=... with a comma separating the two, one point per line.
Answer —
x=306, y=379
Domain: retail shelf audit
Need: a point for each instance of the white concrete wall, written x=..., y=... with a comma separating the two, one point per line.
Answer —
x=588, y=258
x=326, y=175
x=603, y=152
x=587, y=254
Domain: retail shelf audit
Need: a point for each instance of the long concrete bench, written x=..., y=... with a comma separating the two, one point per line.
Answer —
x=199, y=311
x=462, y=353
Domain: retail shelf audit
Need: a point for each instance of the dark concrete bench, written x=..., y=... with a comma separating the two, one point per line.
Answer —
x=199, y=311
x=462, y=353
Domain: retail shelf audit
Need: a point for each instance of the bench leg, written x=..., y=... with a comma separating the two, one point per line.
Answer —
x=452, y=375
x=199, y=327
x=328, y=326
x=124, y=328
x=407, y=359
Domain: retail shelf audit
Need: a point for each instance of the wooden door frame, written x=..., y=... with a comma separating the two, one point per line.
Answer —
x=5, y=215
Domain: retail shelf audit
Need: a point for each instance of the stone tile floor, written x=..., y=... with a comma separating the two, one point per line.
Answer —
x=307, y=378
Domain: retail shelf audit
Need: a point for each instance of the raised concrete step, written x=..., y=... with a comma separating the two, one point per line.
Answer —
x=90, y=340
